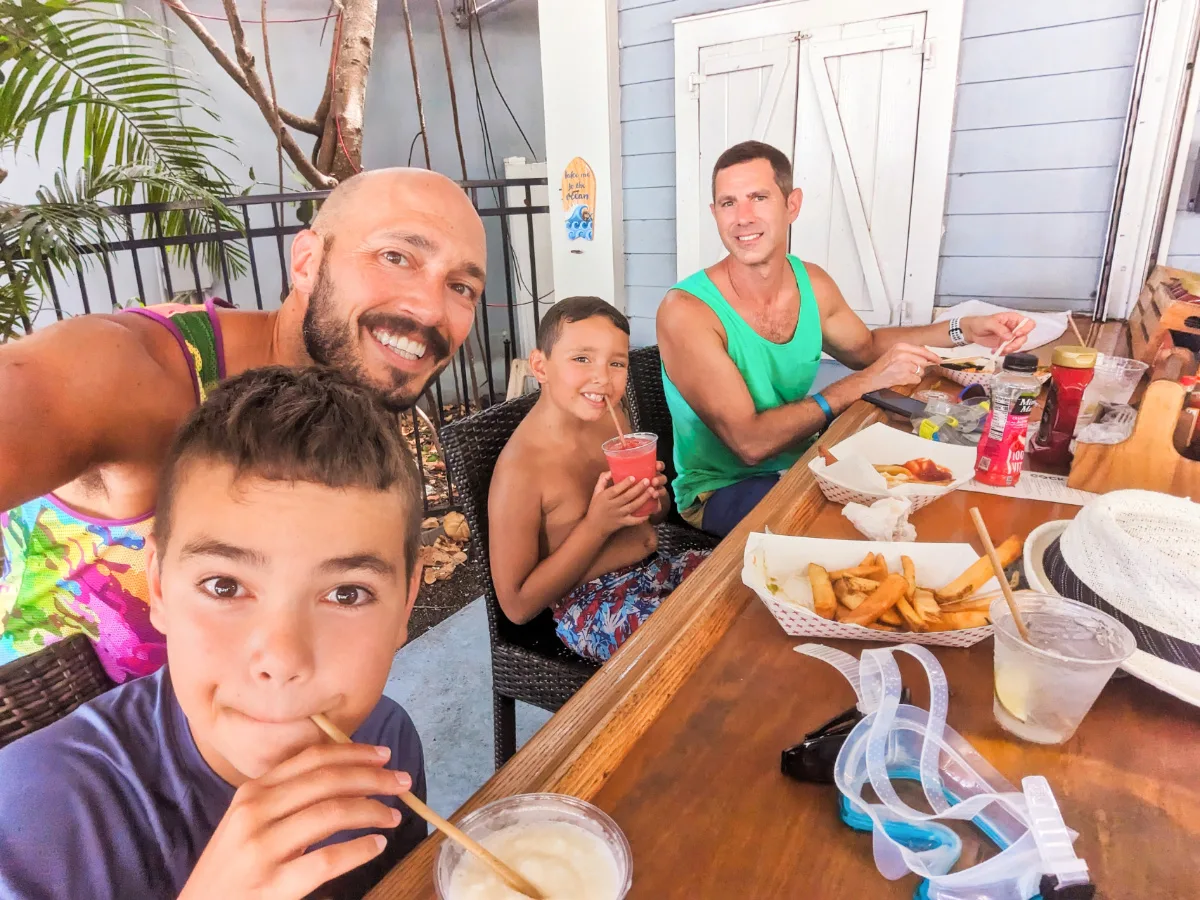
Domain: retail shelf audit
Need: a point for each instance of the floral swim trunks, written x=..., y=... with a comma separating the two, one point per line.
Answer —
x=598, y=616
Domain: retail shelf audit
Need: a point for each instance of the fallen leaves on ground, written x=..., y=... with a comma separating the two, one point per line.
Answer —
x=455, y=525
x=433, y=467
x=441, y=559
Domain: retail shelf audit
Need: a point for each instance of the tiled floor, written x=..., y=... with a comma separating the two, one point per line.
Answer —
x=444, y=680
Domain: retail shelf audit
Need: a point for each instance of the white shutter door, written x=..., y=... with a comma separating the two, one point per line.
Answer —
x=747, y=91
x=857, y=104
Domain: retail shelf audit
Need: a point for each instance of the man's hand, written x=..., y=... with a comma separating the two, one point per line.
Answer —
x=900, y=364
x=612, y=505
x=258, y=849
x=994, y=330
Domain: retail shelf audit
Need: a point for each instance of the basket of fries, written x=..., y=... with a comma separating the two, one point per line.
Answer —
x=881, y=461
x=935, y=594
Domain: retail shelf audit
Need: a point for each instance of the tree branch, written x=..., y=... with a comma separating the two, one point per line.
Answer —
x=354, y=46
x=254, y=87
x=308, y=126
x=322, y=112
x=274, y=96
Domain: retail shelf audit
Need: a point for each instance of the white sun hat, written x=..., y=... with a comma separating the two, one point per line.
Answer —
x=1136, y=556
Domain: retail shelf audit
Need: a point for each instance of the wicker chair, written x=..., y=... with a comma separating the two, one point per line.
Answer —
x=43, y=687
x=648, y=410
x=529, y=662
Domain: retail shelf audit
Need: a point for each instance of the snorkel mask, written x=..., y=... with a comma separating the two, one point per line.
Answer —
x=897, y=741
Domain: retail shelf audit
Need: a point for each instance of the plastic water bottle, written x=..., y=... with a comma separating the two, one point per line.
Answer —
x=1014, y=391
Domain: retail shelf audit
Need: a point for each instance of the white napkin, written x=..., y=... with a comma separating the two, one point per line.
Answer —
x=883, y=520
x=854, y=472
x=1047, y=327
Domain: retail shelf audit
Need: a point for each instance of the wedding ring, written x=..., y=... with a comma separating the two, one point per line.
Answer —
x=920, y=370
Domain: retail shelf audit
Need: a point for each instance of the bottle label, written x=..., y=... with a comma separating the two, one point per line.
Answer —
x=1001, y=452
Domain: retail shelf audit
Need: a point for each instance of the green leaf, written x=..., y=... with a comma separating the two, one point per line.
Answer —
x=82, y=64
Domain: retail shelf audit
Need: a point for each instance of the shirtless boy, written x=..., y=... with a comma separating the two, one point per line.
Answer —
x=563, y=535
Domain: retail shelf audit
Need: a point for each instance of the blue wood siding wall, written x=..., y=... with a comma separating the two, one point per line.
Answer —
x=1042, y=98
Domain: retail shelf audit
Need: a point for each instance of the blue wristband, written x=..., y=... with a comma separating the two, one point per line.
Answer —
x=820, y=400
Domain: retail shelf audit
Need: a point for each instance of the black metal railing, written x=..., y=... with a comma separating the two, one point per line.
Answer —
x=251, y=267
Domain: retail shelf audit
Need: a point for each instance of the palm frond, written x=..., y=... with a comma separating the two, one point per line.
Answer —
x=119, y=102
x=82, y=63
x=73, y=222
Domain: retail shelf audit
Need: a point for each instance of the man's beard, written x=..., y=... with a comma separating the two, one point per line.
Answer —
x=329, y=341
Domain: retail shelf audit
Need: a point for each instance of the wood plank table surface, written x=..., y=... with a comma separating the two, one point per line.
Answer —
x=679, y=737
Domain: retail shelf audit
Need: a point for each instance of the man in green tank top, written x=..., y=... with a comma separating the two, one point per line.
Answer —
x=741, y=342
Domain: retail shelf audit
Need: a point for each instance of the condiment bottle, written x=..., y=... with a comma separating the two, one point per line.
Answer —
x=1192, y=383
x=1014, y=391
x=1072, y=369
x=1187, y=434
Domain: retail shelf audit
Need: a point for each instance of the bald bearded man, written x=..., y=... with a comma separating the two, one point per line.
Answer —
x=384, y=287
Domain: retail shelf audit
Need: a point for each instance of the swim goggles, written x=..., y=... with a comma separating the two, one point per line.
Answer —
x=886, y=739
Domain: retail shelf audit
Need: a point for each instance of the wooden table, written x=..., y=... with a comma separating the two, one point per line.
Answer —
x=678, y=738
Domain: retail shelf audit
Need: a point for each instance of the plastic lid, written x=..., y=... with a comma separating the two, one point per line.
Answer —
x=1075, y=357
x=1021, y=362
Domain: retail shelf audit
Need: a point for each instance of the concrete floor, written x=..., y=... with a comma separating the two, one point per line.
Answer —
x=444, y=680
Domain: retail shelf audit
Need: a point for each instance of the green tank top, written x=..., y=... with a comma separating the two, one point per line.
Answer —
x=774, y=373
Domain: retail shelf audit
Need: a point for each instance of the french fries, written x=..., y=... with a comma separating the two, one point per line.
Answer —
x=852, y=601
x=824, y=600
x=880, y=601
x=860, y=571
x=871, y=595
x=910, y=575
x=865, y=585
x=891, y=617
x=911, y=618
x=954, y=621
x=979, y=572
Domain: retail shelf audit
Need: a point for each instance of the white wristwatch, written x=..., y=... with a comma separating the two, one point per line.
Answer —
x=956, y=332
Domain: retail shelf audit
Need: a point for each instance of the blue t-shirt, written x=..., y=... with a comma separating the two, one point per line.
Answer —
x=115, y=800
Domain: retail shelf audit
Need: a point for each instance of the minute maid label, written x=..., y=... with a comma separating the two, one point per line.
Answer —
x=579, y=200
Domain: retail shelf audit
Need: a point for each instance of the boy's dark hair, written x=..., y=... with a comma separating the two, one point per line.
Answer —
x=575, y=309
x=751, y=150
x=285, y=424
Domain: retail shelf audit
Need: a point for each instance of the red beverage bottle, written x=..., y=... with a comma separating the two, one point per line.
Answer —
x=1014, y=391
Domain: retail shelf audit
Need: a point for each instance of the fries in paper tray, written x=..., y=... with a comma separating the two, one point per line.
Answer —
x=867, y=464
x=872, y=591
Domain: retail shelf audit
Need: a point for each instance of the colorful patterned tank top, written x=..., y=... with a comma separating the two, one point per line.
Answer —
x=66, y=572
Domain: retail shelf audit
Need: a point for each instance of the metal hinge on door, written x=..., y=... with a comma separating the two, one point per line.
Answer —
x=925, y=49
x=694, y=81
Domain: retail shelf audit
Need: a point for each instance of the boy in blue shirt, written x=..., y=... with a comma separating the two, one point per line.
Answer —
x=283, y=573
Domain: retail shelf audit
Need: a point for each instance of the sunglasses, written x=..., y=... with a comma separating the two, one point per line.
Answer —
x=813, y=759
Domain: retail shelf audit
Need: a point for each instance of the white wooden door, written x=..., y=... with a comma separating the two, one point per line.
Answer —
x=856, y=132
x=747, y=91
x=861, y=94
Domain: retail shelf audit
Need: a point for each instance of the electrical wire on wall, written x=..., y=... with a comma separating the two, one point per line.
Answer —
x=489, y=156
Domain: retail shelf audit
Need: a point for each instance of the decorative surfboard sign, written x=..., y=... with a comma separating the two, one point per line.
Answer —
x=579, y=200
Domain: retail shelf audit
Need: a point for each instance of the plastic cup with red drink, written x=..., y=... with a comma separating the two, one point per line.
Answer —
x=634, y=455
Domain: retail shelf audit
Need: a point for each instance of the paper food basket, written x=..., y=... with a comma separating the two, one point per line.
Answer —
x=966, y=379
x=880, y=444
x=775, y=567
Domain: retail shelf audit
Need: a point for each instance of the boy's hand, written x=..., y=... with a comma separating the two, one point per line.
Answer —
x=660, y=488
x=258, y=849
x=612, y=505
